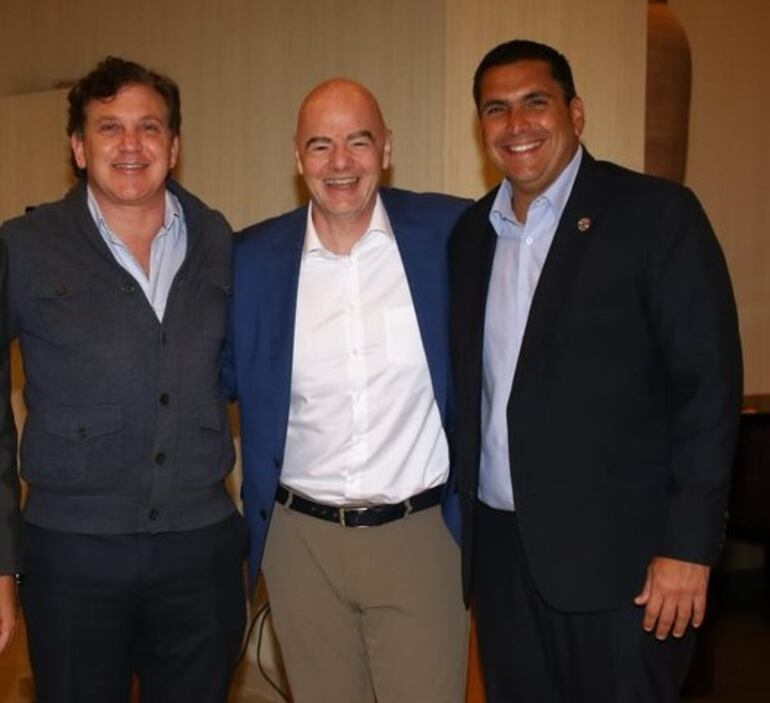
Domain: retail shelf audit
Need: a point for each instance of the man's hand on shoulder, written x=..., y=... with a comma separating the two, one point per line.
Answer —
x=674, y=595
x=8, y=610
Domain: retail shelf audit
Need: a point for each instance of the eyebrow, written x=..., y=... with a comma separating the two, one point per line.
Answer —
x=527, y=96
x=349, y=138
x=119, y=118
x=538, y=94
x=317, y=140
x=357, y=135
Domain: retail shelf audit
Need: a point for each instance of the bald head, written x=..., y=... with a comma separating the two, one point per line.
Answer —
x=341, y=147
x=338, y=94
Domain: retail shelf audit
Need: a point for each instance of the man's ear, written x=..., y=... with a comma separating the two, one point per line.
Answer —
x=78, y=150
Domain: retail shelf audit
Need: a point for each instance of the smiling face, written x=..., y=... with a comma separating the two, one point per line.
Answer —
x=127, y=148
x=341, y=147
x=530, y=131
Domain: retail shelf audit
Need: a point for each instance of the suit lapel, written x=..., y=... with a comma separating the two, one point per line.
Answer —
x=282, y=281
x=477, y=258
x=428, y=288
x=578, y=224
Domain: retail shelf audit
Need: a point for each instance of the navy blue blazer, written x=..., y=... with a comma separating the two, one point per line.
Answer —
x=624, y=406
x=258, y=355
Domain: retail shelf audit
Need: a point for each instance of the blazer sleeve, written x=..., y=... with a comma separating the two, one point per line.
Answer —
x=692, y=310
x=10, y=520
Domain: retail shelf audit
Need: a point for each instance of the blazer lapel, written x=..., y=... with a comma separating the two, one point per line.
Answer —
x=282, y=281
x=578, y=223
x=428, y=288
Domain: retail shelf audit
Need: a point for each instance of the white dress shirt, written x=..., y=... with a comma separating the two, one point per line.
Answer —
x=520, y=253
x=364, y=427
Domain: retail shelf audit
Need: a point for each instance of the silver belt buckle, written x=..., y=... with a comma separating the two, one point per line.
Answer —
x=409, y=507
x=289, y=497
x=352, y=510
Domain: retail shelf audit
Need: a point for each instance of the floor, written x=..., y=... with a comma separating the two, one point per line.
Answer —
x=741, y=657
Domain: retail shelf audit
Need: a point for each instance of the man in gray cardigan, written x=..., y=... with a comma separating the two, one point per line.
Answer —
x=118, y=293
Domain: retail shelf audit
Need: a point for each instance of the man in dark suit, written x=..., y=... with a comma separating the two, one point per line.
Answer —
x=10, y=557
x=598, y=379
x=339, y=358
x=118, y=295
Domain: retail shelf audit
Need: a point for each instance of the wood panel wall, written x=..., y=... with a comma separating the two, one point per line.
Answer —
x=729, y=152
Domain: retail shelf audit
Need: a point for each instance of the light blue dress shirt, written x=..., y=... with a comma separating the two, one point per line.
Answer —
x=519, y=257
x=167, y=252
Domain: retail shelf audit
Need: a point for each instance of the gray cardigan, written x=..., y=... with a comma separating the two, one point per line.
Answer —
x=127, y=429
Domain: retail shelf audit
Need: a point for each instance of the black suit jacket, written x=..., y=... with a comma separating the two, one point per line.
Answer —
x=10, y=558
x=625, y=401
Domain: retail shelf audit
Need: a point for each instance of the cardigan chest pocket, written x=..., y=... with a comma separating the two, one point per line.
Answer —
x=207, y=453
x=72, y=311
x=74, y=447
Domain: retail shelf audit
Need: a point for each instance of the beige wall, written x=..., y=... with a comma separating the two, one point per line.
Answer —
x=605, y=41
x=243, y=66
x=37, y=169
x=729, y=152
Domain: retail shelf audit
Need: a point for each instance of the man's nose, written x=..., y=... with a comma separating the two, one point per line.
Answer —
x=340, y=156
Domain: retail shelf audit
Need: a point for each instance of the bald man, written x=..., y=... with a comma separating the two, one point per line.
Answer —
x=338, y=357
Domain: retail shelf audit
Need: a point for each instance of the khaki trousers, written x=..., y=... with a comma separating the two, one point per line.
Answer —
x=371, y=613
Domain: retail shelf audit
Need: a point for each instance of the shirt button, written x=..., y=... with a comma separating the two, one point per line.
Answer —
x=163, y=398
x=154, y=514
x=160, y=458
x=529, y=240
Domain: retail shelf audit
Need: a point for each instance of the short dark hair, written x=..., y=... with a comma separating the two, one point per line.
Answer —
x=106, y=80
x=525, y=50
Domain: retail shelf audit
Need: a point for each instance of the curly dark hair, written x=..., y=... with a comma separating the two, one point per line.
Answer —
x=105, y=81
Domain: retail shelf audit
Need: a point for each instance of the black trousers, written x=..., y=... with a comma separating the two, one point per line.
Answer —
x=169, y=608
x=533, y=653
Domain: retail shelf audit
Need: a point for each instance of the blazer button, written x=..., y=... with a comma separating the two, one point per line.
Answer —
x=154, y=514
x=160, y=458
x=163, y=398
x=60, y=290
x=263, y=513
x=128, y=287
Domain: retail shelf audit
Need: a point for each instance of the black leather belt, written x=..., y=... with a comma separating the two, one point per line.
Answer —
x=368, y=516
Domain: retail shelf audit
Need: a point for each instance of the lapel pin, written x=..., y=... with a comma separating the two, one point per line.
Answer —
x=584, y=224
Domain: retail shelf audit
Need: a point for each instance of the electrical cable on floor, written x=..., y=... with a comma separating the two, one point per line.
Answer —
x=249, y=631
x=261, y=617
x=284, y=696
